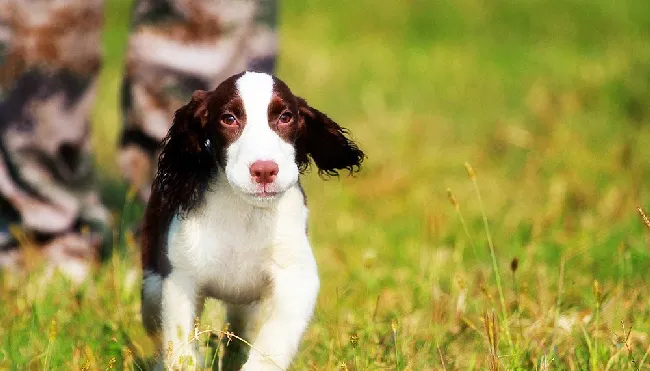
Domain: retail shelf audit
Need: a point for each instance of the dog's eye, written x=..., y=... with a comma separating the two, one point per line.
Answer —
x=228, y=120
x=285, y=118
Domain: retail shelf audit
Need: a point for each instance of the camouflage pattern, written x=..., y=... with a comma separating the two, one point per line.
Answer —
x=49, y=61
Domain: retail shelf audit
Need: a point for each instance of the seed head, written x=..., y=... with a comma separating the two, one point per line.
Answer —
x=462, y=283
x=170, y=349
x=354, y=340
x=52, y=330
x=597, y=290
x=452, y=198
x=514, y=264
x=470, y=171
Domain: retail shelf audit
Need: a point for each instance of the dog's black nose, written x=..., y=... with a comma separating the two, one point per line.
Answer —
x=264, y=171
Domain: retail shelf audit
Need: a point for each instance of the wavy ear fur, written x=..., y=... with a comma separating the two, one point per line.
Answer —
x=327, y=143
x=187, y=160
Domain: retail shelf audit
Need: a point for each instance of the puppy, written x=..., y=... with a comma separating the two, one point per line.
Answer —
x=227, y=219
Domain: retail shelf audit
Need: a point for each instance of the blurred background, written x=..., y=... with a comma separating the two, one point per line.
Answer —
x=549, y=101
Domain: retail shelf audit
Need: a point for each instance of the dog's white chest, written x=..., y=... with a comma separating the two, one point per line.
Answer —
x=228, y=247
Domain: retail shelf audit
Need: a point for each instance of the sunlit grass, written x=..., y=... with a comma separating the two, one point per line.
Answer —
x=549, y=103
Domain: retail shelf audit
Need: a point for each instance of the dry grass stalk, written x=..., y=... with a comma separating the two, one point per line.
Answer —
x=442, y=360
x=195, y=337
x=497, y=276
x=627, y=345
x=598, y=296
x=544, y=364
x=644, y=216
x=492, y=333
x=454, y=203
x=393, y=326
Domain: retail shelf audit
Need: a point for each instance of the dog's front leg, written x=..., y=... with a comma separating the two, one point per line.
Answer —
x=284, y=313
x=180, y=350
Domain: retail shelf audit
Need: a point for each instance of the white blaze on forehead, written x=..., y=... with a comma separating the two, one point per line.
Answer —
x=255, y=90
x=258, y=141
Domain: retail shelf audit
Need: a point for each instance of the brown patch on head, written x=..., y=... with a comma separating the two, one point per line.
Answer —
x=222, y=102
x=283, y=102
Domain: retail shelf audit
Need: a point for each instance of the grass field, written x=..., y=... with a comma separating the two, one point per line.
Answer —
x=549, y=101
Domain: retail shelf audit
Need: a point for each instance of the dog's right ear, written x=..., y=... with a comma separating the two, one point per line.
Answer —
x=187, y=159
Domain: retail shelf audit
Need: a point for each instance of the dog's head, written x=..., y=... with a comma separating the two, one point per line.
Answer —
x=253, y=130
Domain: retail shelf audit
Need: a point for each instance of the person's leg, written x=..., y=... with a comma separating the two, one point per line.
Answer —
x=177, y=47
x=49, y=60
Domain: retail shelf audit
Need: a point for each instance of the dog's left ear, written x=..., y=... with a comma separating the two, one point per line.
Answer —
x=327, y=143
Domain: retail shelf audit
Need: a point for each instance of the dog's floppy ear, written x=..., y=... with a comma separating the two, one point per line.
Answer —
x=187, y=159
x=327, y=143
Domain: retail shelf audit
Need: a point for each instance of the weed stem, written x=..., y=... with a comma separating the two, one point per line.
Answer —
x=497, y=276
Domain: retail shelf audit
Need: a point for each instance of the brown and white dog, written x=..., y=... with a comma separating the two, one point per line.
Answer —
x=227, y=218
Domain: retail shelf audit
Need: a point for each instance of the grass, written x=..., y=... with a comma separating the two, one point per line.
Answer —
x=548, y=100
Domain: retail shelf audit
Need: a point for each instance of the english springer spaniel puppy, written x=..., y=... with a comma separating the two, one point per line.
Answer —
x=227, y=219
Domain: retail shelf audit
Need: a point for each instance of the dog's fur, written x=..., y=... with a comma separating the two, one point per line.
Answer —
x=210, y=229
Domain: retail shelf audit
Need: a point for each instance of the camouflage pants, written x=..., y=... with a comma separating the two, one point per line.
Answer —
x=50, y=57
